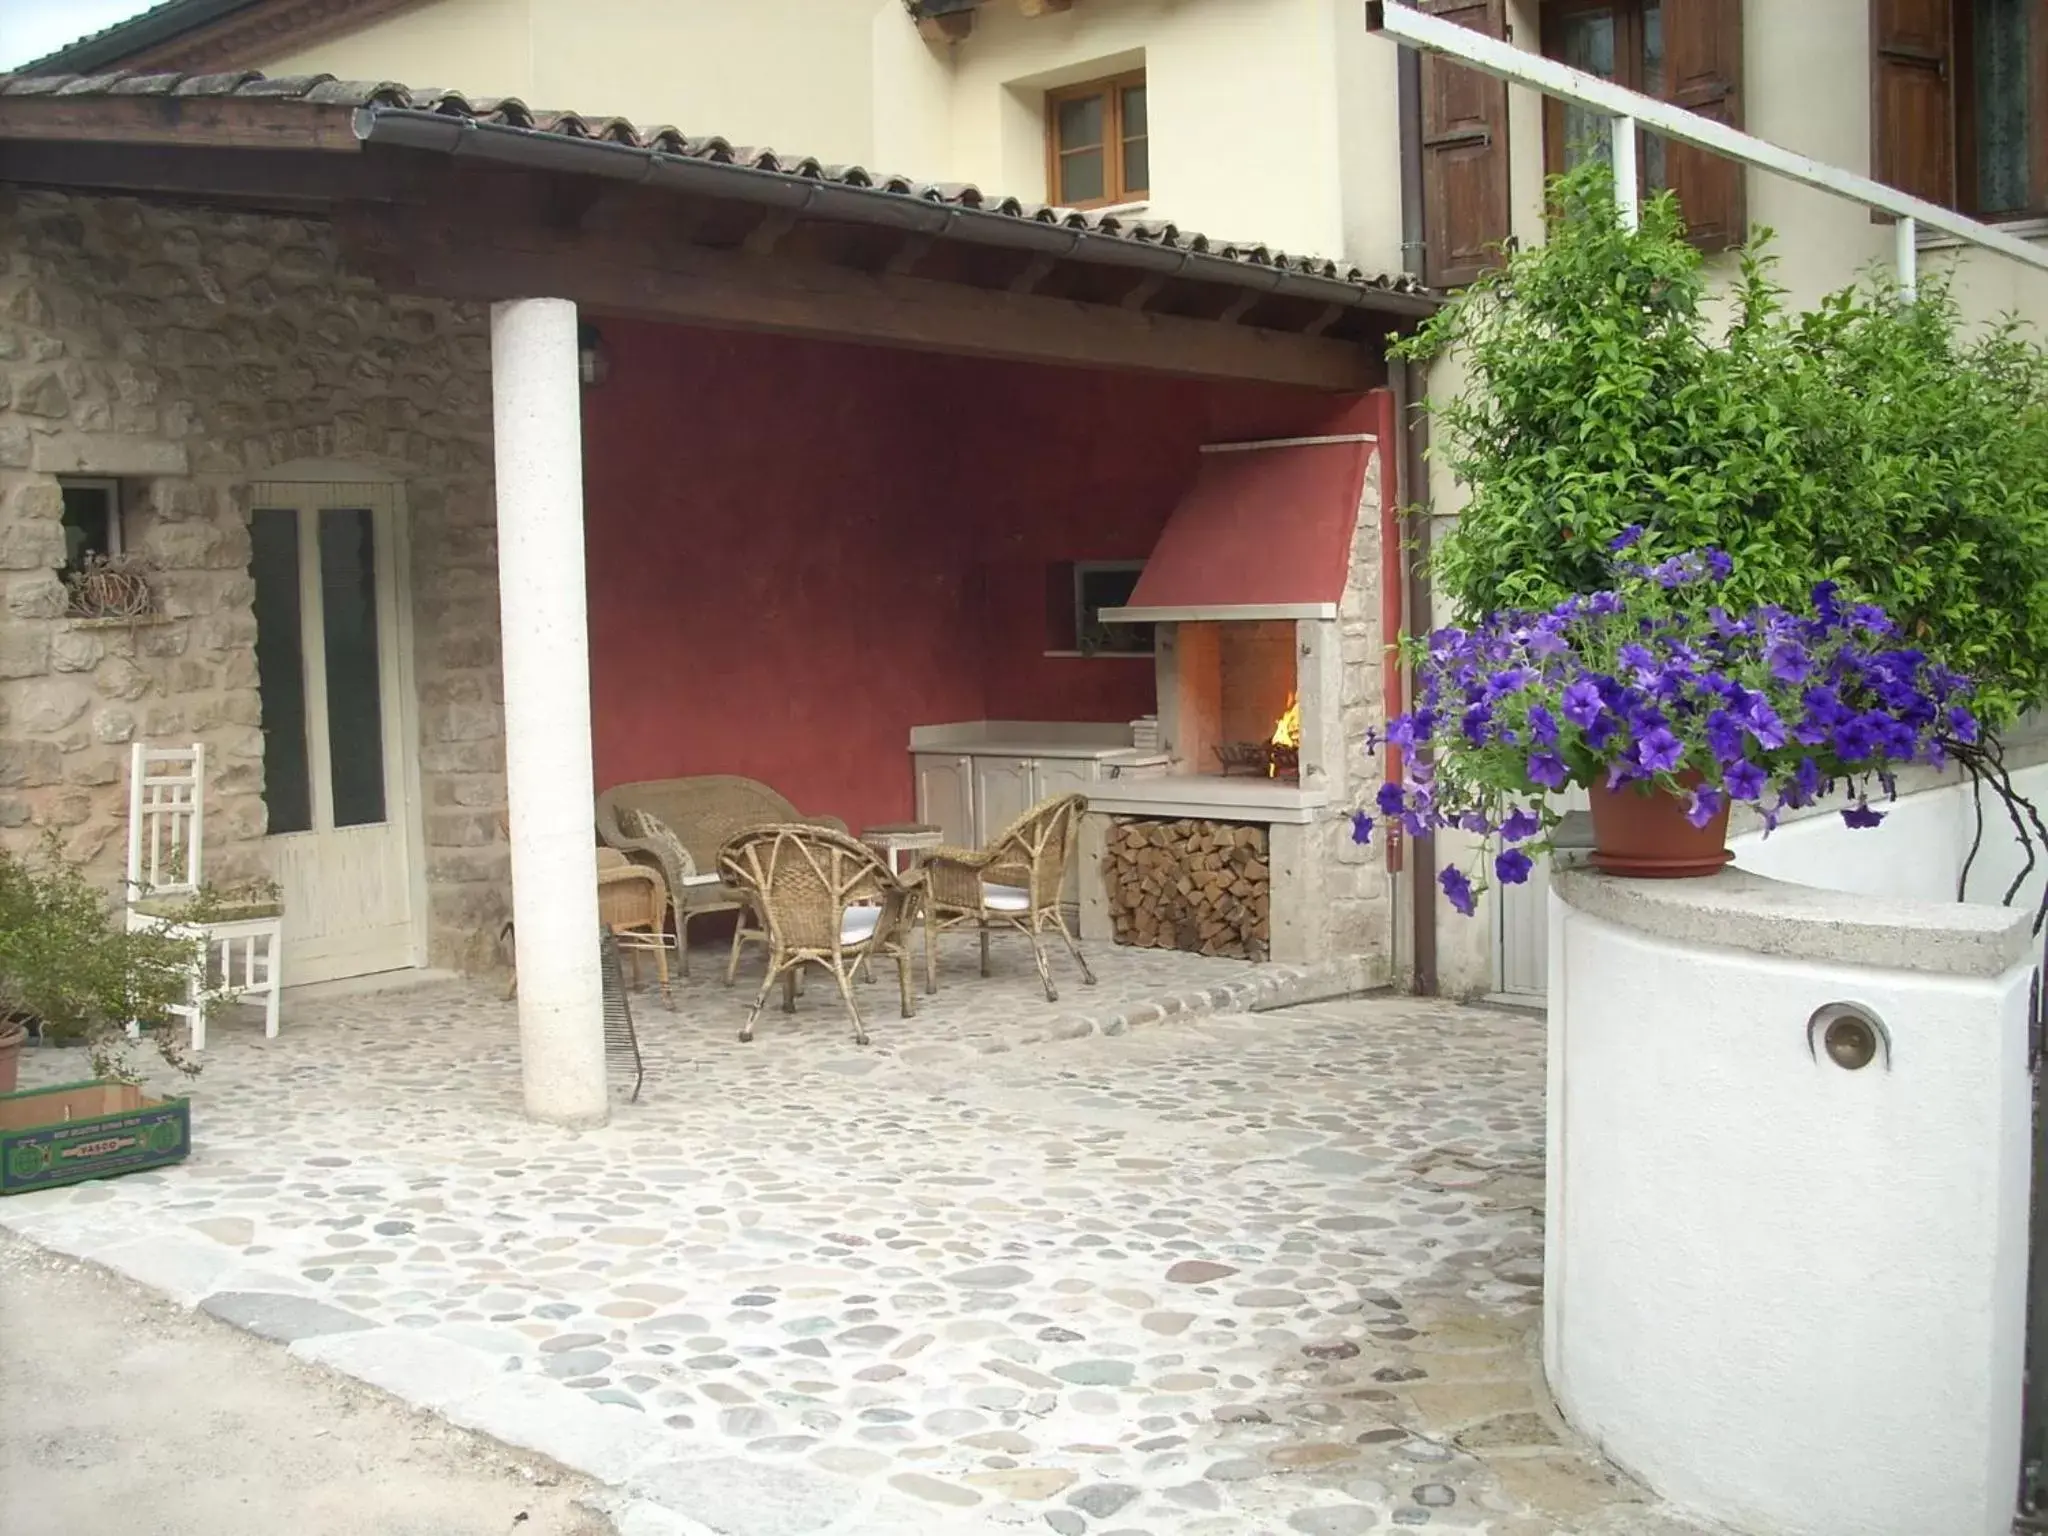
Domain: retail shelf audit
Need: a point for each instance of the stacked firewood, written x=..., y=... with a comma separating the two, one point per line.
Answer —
x=1204, y=886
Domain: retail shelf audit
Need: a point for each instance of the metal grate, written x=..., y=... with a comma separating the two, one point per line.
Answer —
x=621, y=1044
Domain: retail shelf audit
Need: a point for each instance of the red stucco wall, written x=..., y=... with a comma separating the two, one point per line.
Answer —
x=799, y=550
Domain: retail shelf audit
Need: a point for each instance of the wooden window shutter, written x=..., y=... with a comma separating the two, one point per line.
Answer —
x=1912, y=97
x=1703, y=65
x=1465, y=209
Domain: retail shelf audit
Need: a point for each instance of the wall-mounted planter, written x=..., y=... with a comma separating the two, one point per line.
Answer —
x=92, y=1130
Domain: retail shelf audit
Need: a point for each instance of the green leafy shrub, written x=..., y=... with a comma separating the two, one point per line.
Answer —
x=68, y=961
x=1870, y=442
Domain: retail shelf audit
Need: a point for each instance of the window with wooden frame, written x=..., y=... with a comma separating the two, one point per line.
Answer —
x=92, y=521
x=1959, y=103
x=1096, y=146
x=1686, y=52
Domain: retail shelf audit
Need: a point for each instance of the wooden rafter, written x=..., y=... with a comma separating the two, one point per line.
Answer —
x=448, y=253
x=953, y=27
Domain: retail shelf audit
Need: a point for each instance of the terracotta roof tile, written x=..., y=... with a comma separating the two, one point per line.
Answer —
x=510, y=112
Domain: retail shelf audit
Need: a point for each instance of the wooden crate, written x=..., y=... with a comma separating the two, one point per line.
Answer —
x=92, y=1130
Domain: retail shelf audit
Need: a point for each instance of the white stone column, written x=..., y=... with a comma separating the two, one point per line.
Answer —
x=537, y=427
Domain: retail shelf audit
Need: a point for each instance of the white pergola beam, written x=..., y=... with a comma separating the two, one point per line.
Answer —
x=1503, y=60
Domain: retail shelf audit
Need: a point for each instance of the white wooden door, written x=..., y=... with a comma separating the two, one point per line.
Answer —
x=1002, y=793
x=1066, y=776
x=945, y=796
x=339, y=766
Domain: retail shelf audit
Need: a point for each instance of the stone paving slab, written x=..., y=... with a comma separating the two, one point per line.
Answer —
x=1221, y=1275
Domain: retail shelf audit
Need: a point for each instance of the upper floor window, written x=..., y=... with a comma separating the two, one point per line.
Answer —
x=1095, y=143
x=1687, y=52
x=1959, y=91
x=1618, y=40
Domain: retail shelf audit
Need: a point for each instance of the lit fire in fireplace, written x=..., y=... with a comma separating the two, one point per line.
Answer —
x=1277, y=757
x=1286, y=731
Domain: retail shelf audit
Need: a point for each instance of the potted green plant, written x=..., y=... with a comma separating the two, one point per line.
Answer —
x=1669, y=710
x=71, y=969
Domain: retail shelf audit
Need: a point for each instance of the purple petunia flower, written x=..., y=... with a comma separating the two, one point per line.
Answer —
x=1853, y=741
x=1962, y=724
x=1704, y=806
x=1542, y=726
x=1549, y=769
x=1361, y=827
x=1807, y=780
x=1582, y=702
x=1789, y=662
x=1511, y=866
x=1659, y=751
x=1458, y=889
x=1861, y=815
x=1520, y=826
x=1745, y=781
x=1719, y=565
x=1724, y=736
x=1764, y=724
x=1391, y=799
x=1626, y=537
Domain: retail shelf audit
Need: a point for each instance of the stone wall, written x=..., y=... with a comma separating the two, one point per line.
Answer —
x=190, y=352
x=1357, y=892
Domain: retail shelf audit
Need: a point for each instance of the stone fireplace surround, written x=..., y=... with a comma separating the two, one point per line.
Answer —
x=1230, y=644
x=1228, y=679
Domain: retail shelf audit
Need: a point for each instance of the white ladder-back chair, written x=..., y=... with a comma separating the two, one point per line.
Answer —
x=244, y=944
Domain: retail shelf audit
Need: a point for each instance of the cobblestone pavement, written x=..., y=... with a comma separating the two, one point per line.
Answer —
x=1219, y=1275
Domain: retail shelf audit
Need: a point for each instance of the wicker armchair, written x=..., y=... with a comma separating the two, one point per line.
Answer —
x=825, y=899
x=678, y=827
x=1015, y=881
x=632, y=908
x=632, y=905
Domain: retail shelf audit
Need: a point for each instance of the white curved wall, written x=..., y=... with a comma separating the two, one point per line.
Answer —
x=1788, y=1296
x=1918, y=851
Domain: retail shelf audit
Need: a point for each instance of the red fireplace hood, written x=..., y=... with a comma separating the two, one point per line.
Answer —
x=1264, y=532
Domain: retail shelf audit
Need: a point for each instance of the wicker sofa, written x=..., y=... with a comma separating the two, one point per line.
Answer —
x=704, y=812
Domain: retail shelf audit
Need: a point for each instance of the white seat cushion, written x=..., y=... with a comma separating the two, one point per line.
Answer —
x=1006, y=898
x=857, y=925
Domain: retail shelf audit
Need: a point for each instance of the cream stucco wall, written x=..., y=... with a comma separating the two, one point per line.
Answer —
x=793, y=74
x=1242, y=97
x=480, y=47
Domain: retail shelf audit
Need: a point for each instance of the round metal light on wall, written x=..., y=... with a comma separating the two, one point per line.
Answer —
x=1849, y=1035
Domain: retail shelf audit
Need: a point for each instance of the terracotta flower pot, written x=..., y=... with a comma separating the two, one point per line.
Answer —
x=13, y=1036
x=1641, y=830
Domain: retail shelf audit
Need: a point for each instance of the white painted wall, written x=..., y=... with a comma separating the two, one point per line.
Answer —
x=1918, y=852
x=1788, y=1296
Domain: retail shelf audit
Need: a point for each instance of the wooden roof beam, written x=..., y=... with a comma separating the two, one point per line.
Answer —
x=458, y=259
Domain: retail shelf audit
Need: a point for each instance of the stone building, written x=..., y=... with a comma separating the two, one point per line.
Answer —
x=698, y=461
